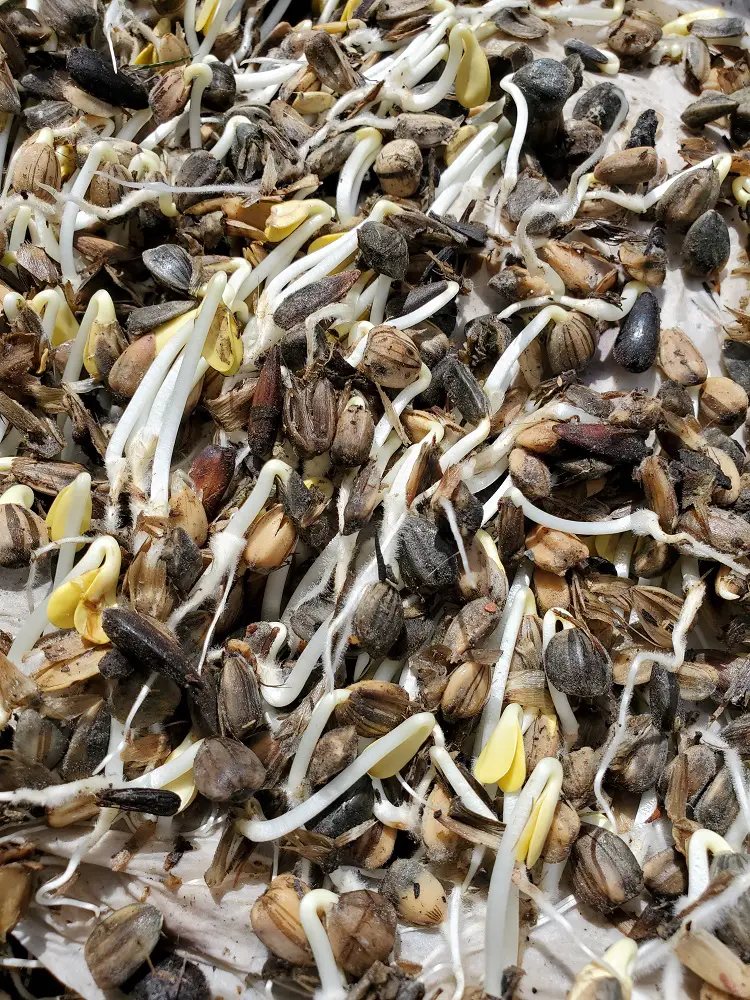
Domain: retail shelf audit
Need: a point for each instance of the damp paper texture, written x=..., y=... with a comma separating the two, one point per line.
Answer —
x=218, y=932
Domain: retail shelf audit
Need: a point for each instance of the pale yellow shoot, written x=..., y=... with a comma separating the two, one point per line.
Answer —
x=206, y=15
x=63, y=603
x=66, y=326
x=531, y=842
x=21, y=496
x=606, y=546
x=146, y=56
x=349, y=8
x=324, y=241
x=393, y=762
x=105, y=316
x=284, y=218
x=500, y=760
x=223, y=347
x=164, y=333
x=681, y=24
x=620, y=957
x=79, y=603
x=183, y=785
x=58, y=513
x=65, y=154
x=473, y=76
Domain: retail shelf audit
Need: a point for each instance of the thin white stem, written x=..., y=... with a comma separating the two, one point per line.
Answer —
x=183, y=387
x=408, y=736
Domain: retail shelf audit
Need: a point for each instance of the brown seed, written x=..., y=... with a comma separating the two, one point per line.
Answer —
x=660, y=492
x=374, y=848
x=555, y=551
x=362, y=929
x=354, y=433
x=310, y=416
x=399, y=167
x=679, y=358
x=440, y=842
x=541, y=739
x=641, y=756
x=36, y=165
x=471, y=625
x=604, y=871
x=391, y=358
x=530, y=474
x=632, y=36
x=541, y=437
x=333, y=752
x=265, y=413
x=270, y=541
x=275, y=920
x=226, y=771
x=571, y=343
x=330, y=64
x=121, y=942
x=723, y=402
x=550, y=590
x=725, y=530
x=240, y=709
x=21, y=531
x=301, y=304
x=105, y=189
x=15, y=895
x=578, y=664
x=426, y=130
x=379, y=618
x=374, y=708
x=127, y=372
x=646, y=262
x=665, y=873
x=630, y=166
x=467, y=691
x=416, y=893
x=154, y=801
x=563, y=833
x=688, y=197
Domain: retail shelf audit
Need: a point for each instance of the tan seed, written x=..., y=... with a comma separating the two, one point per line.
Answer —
x=629, y=166
x=362, y=929
x=275, y=920
x=416, y=893
x=467, y=691
x=723, y=402
x=680, y=359
x=399, y=167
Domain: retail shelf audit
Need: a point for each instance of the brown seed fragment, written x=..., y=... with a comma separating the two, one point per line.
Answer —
x=15, y=895
x=660, y=492
x=121, y=942
x=362, y=929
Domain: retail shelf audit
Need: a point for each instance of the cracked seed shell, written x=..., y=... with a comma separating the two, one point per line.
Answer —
x=361, y=927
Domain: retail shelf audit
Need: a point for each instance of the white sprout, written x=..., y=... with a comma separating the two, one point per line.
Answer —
x=395, y=748
x=332, y=982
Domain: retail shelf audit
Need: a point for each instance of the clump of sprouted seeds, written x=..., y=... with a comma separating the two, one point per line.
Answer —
x=373, y=386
